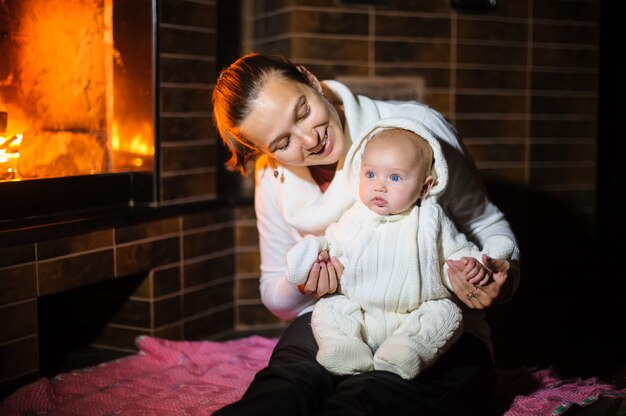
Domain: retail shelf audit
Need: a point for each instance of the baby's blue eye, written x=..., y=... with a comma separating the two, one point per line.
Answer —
x=369, y=174
x=395, y=178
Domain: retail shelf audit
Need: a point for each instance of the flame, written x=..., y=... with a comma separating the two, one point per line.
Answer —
x=9, y=155
x=140, y=143
x=61, y=89
x=136, y=149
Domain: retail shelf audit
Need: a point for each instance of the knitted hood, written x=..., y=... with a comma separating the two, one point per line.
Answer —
x=355, y=155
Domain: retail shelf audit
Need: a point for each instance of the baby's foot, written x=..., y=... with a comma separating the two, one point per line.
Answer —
x=399, y=354
x=345, y=356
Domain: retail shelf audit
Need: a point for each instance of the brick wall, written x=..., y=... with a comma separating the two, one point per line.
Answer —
x=187, y=140
x=519, y=81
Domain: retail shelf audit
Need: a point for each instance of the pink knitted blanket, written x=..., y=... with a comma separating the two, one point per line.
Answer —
x=198, y=377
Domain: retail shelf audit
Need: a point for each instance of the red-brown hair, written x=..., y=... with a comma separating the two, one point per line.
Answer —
x=236, y=88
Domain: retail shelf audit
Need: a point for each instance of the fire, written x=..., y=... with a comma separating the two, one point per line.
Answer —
x=137, y=150
x=68, y=90
x=9, y=155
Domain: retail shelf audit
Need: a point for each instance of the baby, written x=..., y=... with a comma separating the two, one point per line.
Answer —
x=393, y=310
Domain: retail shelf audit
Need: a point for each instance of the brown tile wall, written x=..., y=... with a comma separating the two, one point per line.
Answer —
x=516, y=81
x=187, y=146
x=250, y=312
x=519, y=81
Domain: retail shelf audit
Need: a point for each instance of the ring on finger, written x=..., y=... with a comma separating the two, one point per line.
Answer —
x=470, y=295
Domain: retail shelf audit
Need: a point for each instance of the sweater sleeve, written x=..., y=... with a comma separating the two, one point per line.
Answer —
x=275, y=239
x=455, y=245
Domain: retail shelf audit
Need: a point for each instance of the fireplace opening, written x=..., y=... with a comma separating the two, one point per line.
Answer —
x=76, y=94
x=73, y=324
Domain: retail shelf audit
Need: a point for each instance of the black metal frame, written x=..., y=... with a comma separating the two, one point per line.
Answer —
x=38, y=201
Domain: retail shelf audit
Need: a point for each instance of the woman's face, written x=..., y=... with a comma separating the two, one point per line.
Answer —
x=294, y=124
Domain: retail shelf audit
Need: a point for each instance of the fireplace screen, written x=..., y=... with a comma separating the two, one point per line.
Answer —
x=76, y=88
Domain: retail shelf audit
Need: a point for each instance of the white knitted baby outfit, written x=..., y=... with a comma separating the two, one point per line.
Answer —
x=393, y=311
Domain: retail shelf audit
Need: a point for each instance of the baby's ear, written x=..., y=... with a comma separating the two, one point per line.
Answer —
x=312, y=78
x=427, y=186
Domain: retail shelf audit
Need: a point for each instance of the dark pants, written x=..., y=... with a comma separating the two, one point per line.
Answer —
x=460, y=383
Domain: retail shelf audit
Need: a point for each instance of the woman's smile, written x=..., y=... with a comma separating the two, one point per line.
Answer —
x=321, y=147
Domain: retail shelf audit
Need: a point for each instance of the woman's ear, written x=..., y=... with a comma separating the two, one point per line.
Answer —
x=427, y=186
x=312, y=78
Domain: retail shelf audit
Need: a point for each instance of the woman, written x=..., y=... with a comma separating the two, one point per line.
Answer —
x=299, y=130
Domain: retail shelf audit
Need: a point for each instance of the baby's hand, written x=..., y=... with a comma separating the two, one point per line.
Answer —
x=323, y=256
x=475, y=272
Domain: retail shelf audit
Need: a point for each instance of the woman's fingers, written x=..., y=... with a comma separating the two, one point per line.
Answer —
x=317, y=284
x=338, y=267
x=499, y=268
x=482, y=293
x=474, y=297
x=332, y=279
x=323, y=281
x=335, y=271
x=485, y=280
x=323, y=278
x=310, y=285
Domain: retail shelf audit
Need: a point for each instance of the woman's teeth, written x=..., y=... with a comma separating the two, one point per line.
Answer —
x=321, y=145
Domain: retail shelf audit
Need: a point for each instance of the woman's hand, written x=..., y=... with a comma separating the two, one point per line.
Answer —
x=324, y=276
x=480, y=297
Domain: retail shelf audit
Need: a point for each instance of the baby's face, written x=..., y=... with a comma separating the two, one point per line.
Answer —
x=394, y=171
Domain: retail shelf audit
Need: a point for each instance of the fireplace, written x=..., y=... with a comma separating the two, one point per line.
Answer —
x=77, y=106
x=156, y=237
